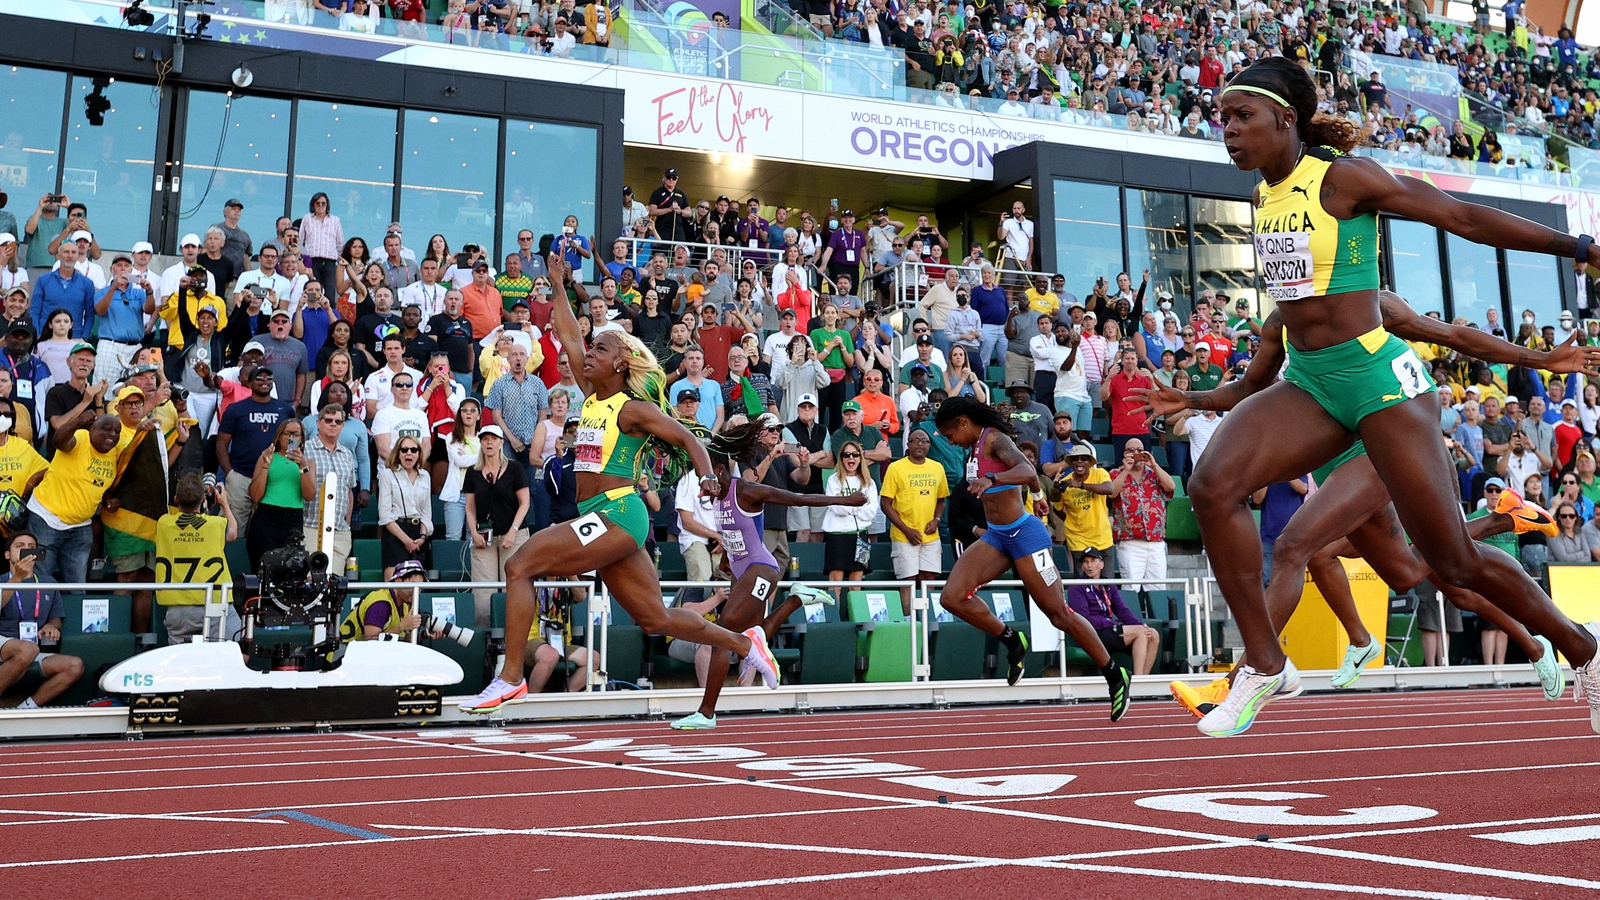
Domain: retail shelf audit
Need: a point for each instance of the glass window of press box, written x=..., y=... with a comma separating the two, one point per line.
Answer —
x=474, y=179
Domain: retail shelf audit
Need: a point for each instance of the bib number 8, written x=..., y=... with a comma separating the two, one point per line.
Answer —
x=1409, y=372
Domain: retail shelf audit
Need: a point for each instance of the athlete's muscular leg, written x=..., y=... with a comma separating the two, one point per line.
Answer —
x=1301, y=436
x=634, y=584
x=746, y=603
x=1424, y=498
x=555, y=552
x=981, y=564
x=1047, y=594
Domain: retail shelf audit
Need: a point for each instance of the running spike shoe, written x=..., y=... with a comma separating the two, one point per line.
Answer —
x=695, y=722
x=760, y=658
x=1526, y=517
x=1586, y=681
x=1014, y=659
x=810, y=595
x=496, y=695
x=1250, y=693
x=1121, y=685
x=1551, y=678
x=1355, y=659
x=1199, y=700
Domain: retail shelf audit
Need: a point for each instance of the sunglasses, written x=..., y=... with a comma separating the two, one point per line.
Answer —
x=401, y=384
x=332, y=420
x=851, y=455
x=1491, y=490
x=1566, y=516
x=410, y=449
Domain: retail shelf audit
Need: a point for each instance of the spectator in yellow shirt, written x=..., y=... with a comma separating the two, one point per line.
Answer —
x=1041, y=299
x=1080, y=501
x=913, y=499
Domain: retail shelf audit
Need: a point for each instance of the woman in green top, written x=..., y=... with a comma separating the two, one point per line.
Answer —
x=836, y=351
x=282, y=481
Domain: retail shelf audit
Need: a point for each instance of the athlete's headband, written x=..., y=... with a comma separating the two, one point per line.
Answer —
x=1270, y=95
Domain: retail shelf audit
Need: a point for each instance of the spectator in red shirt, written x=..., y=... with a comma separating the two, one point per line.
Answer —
x=1211, y=69
x=1568, y=432
x=716, y=340
x=1139, y=492
x=1126, y=407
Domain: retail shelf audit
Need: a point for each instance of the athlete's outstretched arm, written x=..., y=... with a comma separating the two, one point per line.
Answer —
x=762, y=494
x=1258, y=376
x=1402, y=321
x=566, y=325
x=637, y=415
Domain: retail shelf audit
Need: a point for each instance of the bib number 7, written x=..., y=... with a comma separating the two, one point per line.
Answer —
x=1409, y=372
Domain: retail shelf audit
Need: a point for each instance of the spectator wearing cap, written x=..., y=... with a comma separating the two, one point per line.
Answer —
x=914, y=394
x=1566, y=434
x=1140, y=489
x=119, y=319
x=286, y=356
x=236, y=245
x=30, y=377
x=632, y=210
x=924, y=351
x=180, y=309
x=13, y=274
x=1053, y=452
x=85, y=263
x=481, y=302
x=195, y=368
x=808, y=437
x=173, y=276
x=846, y=249
x=65, y=288
x=1079, y=503
x=62, y=507
x=669, y=206
x=1120, y=628
x=873, y=445
x=1030, y=419
x=67, y=399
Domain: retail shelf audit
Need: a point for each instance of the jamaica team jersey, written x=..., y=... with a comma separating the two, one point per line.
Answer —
x=1305, y=252
x=18, y=463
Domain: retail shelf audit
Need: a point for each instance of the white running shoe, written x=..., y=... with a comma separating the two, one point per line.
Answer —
x=1355, y=659
x=1586, y=681
x=1251, y=692
x=496, y=695
x=1549, y=671
x=760, y=658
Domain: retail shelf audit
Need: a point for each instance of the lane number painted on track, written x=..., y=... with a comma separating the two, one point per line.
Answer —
x=826, y=766
x=992, y=786
x=694, y=754
x=1212, y=805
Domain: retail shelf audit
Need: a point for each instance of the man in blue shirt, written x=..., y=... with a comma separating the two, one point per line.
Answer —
x=1277, y=502
x=29, y=375
x=247, y=428
x=65, y=288
x=27, y=619
x=119, y=320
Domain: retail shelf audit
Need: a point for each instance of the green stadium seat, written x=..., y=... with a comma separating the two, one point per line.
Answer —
x=1099, y=428
x=809, y=555
x=238, y=557
x=671, y=564
x=885, y=637
x=1165, y=605
x=625, y=647
x=881, y=564
x=1104, y=456
x=957, y=647
x=1160, y=454
x=1178, y=489
x=453, y=560
x=827, y=646
x=369, y=556
x=99, y=650
x=473, y=657
x=1181, y=523
x=995, y=375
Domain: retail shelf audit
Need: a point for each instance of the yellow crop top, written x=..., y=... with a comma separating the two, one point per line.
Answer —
x=1304, y=251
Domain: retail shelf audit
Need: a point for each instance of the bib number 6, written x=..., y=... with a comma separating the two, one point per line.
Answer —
x=589, y=528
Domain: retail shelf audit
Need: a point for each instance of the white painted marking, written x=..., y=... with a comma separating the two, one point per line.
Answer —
x=1210, y=805
x=694, y=754
x=827, y=767
x=990, y=786
x=601, y=744
x=1539, y=837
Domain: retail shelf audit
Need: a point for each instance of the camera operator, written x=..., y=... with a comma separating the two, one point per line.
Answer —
x=550, y=640
x=387, y=610
x=265, y=283
x=29, y=618
x=190, y=548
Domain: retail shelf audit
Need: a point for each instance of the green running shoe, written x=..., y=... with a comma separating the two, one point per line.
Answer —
x=1014, y=658
x=1355, y=659
x=1120, y=693
x=809, y=595
x=695, y=722
x=1251, y=691
x=1551, y=678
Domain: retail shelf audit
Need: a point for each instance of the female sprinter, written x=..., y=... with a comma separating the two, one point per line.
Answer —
x=1352, y=504
x=623, y=420
x=1316, y=234
x=999, y=473
x=741, y=510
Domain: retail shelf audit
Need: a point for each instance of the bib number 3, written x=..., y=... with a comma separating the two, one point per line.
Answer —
x=589, y=528
x=1411, y=375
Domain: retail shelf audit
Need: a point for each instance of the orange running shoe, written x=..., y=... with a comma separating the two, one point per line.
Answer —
x=1200, y=699
x=1526, y=517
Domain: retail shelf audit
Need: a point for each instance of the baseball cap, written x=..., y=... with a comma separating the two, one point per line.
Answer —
x=787, y=314
x=807, y=398
x=627, y=191
x=481, y=264
x=122, y=257
x=1080, y=449
x=189, y=240
x=279, y=312
x=253, y=345
x=1570, y=402
x=81, y=235
x=1091, y=553
x=79, y=346
x=138, y=247
x=141, y=369
x=849, y=212
x=129, y=392
x=924, y=339
x=492, y=429
x=687, y=395
x=850, y=406
x=233, y=201
x=671, y=173
x=23, y=324
x=919, y=367
x=7, y=237
x=409, y=567
x=210, y=308
x=1494, y=482
x=1063, y=414
x=1510, y=399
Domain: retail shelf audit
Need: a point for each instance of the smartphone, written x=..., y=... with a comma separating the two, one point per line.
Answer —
x=791, y=448
x=28, y=553
x=294, y=444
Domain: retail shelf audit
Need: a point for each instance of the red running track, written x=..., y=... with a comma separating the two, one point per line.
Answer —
x=1444, y=794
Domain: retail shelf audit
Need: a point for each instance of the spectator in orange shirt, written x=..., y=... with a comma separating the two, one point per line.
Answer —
x=480, y=300
x=877, y=408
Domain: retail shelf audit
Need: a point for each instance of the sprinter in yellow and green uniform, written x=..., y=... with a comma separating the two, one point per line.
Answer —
x=625, y=427
x=1347, y=378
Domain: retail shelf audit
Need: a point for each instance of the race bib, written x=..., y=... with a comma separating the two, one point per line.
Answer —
x=1046, y=565
x=589, y=528
x=972, y=469
x=1409, y=371
x=1286, y=264
x=733, y=542
x=587, y=453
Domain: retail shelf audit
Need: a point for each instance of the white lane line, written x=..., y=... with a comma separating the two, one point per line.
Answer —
x=101, y=817
x=1540, y=837
x=1459, y=826
x=376, y=761
x=1075, y=820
